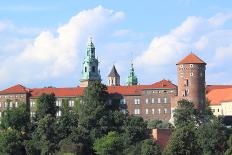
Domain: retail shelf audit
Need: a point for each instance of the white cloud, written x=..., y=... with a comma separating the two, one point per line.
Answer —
x=206, y=37
x=52, y=55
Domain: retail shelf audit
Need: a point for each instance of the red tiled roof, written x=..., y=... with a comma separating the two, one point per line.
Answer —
x=212, y=87
x=61, y=92
x=216, y=96
x=137, y=89
x=124, y=90
x=191, y=59
x=164, y=84
x=15, y=90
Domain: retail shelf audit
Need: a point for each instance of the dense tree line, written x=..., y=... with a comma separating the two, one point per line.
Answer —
x=93, y=126
x=97, y=126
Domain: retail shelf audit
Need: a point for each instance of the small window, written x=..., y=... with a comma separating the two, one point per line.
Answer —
x=137, y=111
x=165, y=110
x=153, y=111
x=58, y=114
x=159, y=100
x=123, y=101
x=11, y=105
x=186, y=82
x=32, y=114
x=181, y=66
x=147, y=111
x=191, y=74
x=71, y=103
x=191, y=65
x=165, y=100
x=146, y=100
x=85, y=69
x=159, y=111
x=93, y=69
x=137, y=101
x=152, y=100
x=16, y=104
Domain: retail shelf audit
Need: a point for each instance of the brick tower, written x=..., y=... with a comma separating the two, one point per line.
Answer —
x=191, y=80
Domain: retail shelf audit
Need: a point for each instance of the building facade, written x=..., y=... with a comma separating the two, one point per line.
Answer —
x=154, y=101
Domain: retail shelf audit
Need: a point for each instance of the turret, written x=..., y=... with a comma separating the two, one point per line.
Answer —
x=90, y=70
x=113, y=77
x=191, y=80
x=132, y=79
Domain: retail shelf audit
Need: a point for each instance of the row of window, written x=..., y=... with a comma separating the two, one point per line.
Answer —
x=157, y=91
x=10, y=104
x=182, y=66
x=58, y=103
x=10, y=96
x=159, y=100
x=151, y=111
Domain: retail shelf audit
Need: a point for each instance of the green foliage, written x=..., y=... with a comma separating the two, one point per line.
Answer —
x=94, y=114
x=45, y=135
x=212, y=137
x=67, y=121
x=183, y=142
x=152, y=124
x=185, y=114
x=135, y=130
x=148, y=147
x=229, y=143
x=46, y=104
x=11, y=142
x=16, y=118
x=111, y=144
x=184, y=138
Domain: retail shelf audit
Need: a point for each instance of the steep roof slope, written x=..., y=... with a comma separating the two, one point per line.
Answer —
x=191, y=59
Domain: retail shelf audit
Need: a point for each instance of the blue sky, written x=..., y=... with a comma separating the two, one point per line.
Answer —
x=43, y=42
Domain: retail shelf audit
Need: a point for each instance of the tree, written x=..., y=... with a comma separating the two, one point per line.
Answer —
x=185, y=114
x=183, y=142
x=184, y=138
x=135, y=130
x=46, y=104
x=212, y=137
x=67, y=121
x=229, y=143
x=94, y=115
x=110, y=144
x=149, y=147
x=45, y=136
x=16, y=118
x=11, y=142
x=158, y=124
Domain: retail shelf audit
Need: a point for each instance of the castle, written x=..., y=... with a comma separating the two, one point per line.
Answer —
x=154, y=101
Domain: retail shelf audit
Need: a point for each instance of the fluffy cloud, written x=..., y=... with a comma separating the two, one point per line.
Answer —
x=56, y=54
x=208, y=38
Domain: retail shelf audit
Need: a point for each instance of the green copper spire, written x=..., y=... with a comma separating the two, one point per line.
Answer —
x=90, y=70
x=132, y=79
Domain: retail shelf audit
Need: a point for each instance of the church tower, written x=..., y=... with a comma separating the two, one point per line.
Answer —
x=132, y=79
x=191, y=80
x=113, y=77
x=90, y=70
